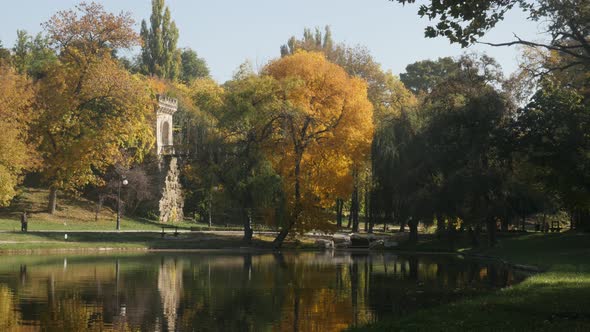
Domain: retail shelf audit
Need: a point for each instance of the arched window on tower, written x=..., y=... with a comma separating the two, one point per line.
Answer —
x=165, y=133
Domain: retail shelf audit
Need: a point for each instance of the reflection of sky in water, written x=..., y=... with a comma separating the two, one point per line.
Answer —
x=310, y=291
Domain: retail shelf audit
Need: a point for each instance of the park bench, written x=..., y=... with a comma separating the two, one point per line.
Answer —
x=169, y=227
x=555, y=227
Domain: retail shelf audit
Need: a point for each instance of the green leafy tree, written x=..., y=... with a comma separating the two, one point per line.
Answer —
x=192, y=66
x=553, y=134
x=423, y=76
x=32, y=56
x=21, y=51
x=159, y=53
x=4, y=53
x=465, y=22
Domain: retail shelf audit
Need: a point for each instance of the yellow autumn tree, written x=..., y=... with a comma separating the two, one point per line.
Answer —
x=323, y=129
x=16, y=152
x=93, y=112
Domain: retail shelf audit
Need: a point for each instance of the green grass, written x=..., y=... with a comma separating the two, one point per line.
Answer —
x=77, y=213
x=555, y=300
x=17, y=241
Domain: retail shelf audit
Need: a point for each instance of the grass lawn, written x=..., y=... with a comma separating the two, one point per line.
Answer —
x=557, y=299
x=17, y=241
x=88, y=230
x=76, y=213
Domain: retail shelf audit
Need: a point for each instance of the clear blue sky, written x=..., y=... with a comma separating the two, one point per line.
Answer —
x=227, y=33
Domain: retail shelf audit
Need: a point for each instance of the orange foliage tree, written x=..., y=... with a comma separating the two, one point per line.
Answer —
x=323, y=129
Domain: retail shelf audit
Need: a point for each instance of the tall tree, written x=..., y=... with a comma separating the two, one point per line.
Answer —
x=323, y=130
x=17, y=154
x=159, y=53
x=21, y=51
x=423, y=76
x=91, y=108
x=192, y=67
x=552, y=133
x=384, y=90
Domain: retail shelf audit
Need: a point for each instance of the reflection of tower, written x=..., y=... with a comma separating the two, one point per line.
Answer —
x=170, y=288
x=171, y=200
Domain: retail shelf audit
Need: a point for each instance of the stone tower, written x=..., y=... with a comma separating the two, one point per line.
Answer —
x=171, y=199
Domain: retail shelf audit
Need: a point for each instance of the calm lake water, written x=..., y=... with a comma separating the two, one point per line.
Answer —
x=213, y=291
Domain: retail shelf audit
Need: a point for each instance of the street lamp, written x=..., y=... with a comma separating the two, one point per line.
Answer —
x=122, y=182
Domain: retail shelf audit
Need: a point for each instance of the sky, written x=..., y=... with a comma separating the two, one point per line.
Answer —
x=228, y=33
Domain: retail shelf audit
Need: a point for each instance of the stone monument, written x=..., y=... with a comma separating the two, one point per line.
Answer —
x=171, y=199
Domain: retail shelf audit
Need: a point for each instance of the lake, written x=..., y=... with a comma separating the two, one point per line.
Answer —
x=224, y=291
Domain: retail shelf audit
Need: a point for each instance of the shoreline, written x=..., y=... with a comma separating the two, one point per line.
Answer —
x=522, y=267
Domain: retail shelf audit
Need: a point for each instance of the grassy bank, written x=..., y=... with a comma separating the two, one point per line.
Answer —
x=79, y=214
x=16, y=241
x=557, y=299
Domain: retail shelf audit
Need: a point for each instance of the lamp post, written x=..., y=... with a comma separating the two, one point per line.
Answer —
x=122, y=182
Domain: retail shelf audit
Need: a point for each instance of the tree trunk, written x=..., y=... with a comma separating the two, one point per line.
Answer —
x=504, y=224
x=98, y=206
x=451, y=236
x=247, y=226
x=474, y=235
x=349, y=214
x=354, y=209
x=413, y=225
x=491, y=227
x=52, y=206
x=210, y=210
x=367, y=207
x=339, y=216
x=371, y=215
x=278, y=241
x=440, y=226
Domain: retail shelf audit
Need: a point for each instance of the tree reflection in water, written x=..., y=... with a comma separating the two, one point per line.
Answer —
x=311, y=291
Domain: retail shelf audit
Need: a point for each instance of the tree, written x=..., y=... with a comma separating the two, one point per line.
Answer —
x=159, y=53
x=192, y=67
x=552, y=132
x=447, y=160
x=17, y=153
x=322, y=130
x=32, y=55
x=4, y=54
x=423, y=76
x=310, y=42
x=465, y=22
x=21, y=51
x=246, y=123
x=384, y=90
x=92, y=110
x=88, y=31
